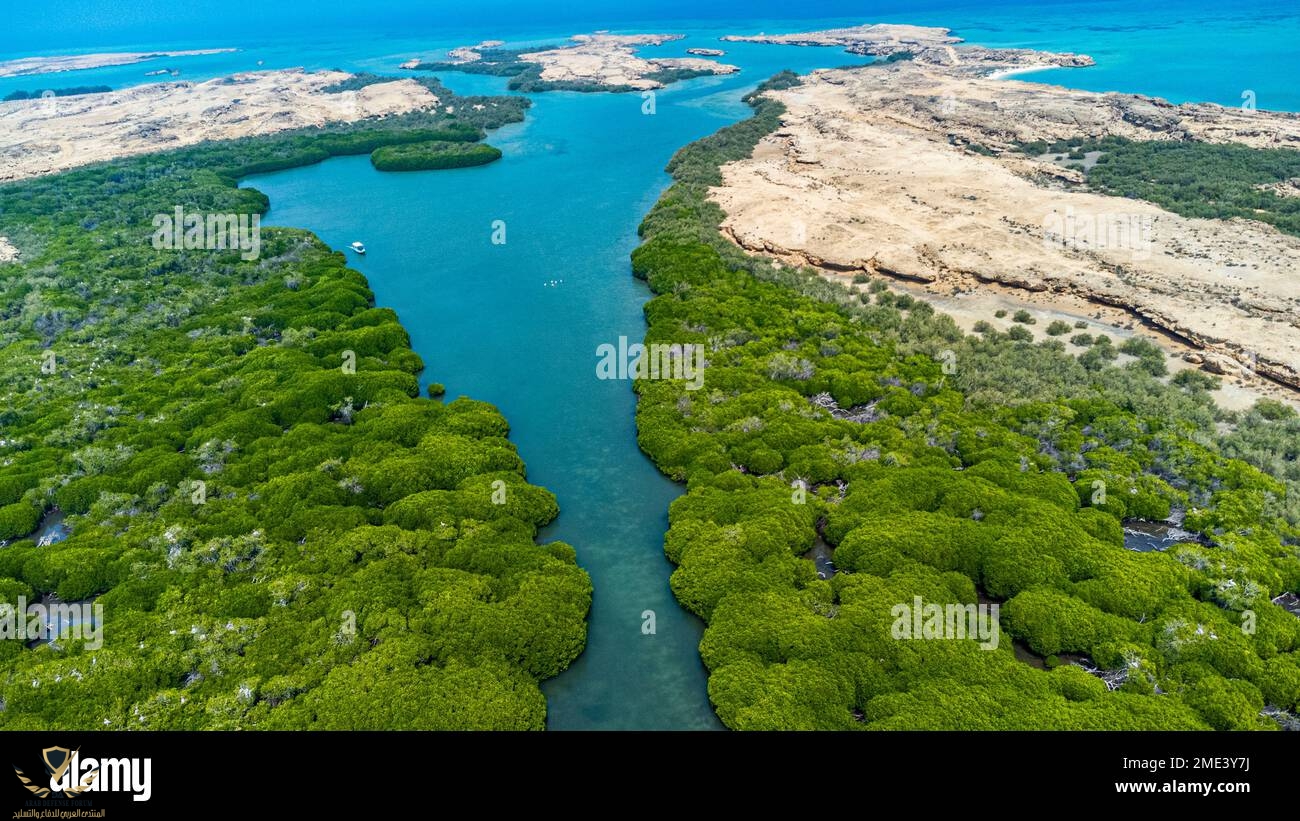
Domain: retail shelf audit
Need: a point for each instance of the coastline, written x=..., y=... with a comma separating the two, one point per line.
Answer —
x=1046, y=303
x=45, y=136
x=34, y=66
x=1009, y=73
x=928, y=45
x=911, y=171
x=920, y=456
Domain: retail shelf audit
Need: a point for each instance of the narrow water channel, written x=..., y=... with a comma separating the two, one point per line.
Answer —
x=518, y=325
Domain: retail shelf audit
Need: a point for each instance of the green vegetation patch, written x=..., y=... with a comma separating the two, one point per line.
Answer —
x=668, y=76
x=433, y=155
x=281, y=532
x=962, y=469
x=1194, y=179
x=55, y=92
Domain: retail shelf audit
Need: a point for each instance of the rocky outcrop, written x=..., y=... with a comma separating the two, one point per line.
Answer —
x=928, y=45
x=467, y=54
x=44, y=136
x=911, y=170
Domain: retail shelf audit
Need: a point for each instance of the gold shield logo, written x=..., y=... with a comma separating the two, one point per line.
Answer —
x=57, y=760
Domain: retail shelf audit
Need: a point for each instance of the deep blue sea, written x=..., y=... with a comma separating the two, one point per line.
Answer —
x=1198, y=50
x=518, y=324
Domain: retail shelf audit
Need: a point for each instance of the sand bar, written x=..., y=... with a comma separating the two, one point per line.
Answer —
x=26, y=66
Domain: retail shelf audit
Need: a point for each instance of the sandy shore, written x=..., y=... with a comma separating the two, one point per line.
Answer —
x=48, y=65
x=48, y=135
x=873, y=171
x=1009, y=73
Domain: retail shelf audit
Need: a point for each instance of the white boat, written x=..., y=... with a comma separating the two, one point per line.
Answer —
x=358, y=247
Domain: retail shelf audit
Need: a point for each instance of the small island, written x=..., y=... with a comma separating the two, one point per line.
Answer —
x=593, y=62
x=930, y=45
x=77, y=62
x=433, y=155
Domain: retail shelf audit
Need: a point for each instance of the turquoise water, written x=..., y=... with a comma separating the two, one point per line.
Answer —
x=1191, y=50
x=518, y=324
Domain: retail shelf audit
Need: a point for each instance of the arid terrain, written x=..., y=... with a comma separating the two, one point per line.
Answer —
x=922, y=44
x=909, y=170
x=43, y=136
